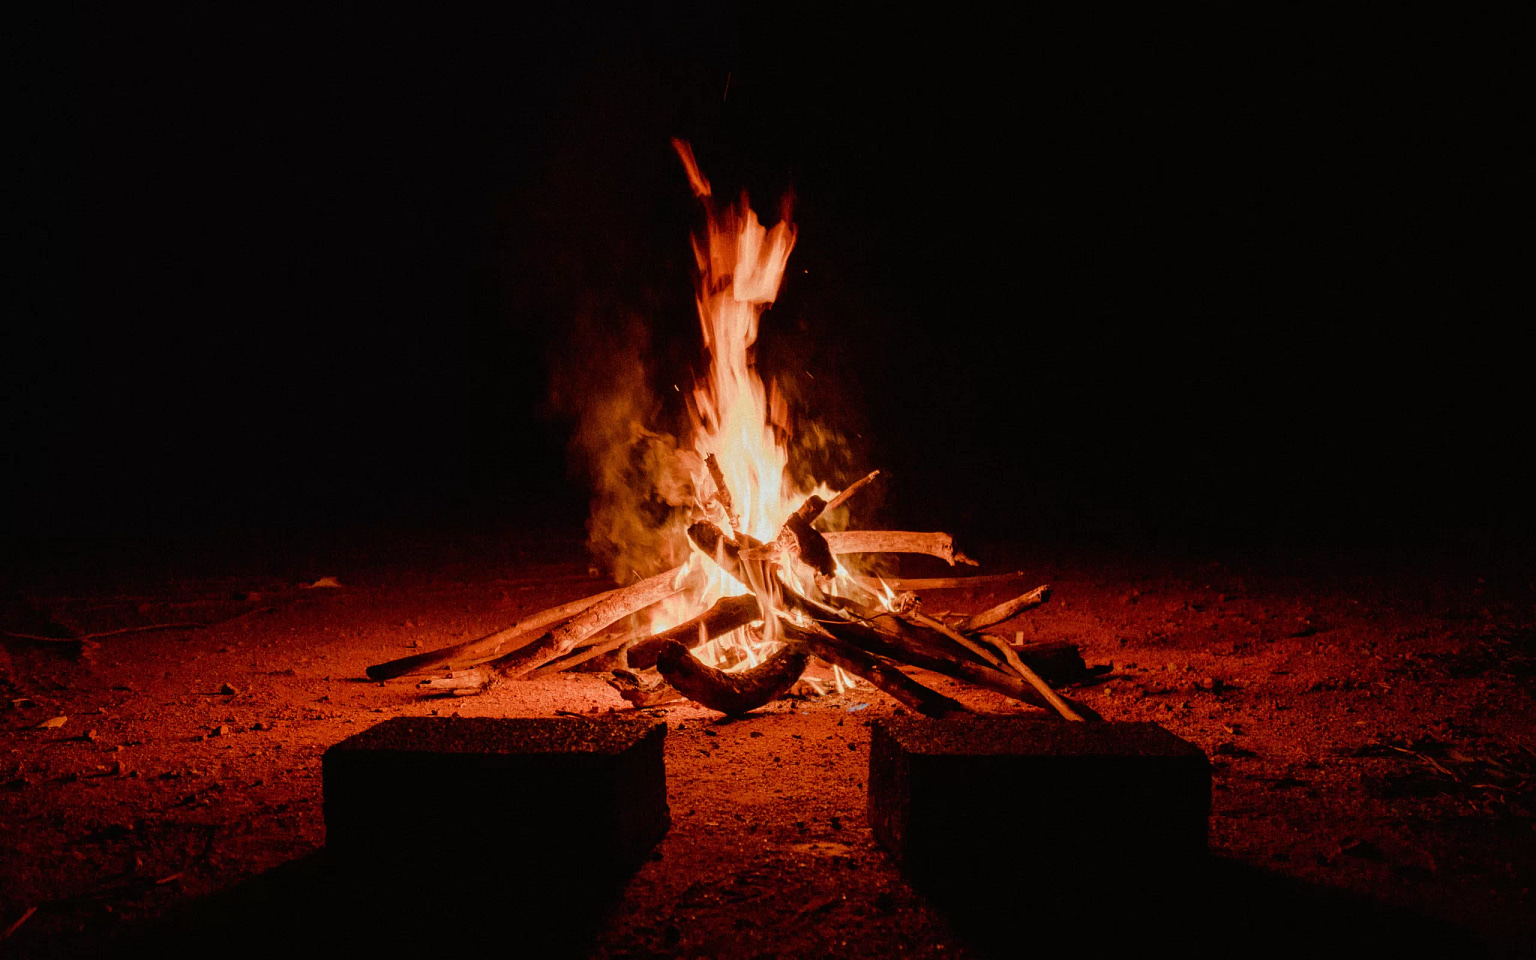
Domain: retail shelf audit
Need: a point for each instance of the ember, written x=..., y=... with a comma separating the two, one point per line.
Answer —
x=766, y=591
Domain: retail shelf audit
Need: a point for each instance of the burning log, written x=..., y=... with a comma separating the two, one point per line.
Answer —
x=1006, y=610
x=726, y=615
x=722, y=492
x=733, y=694
x=940, y=545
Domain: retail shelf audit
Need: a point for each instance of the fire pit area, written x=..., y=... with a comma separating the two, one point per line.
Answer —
x=1367, y=770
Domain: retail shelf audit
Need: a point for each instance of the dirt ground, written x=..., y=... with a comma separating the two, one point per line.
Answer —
x=1370, y=728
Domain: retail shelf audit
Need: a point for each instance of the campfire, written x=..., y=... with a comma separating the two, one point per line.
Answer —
x=768, y=597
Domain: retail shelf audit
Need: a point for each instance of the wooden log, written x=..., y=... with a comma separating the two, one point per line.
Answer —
x=603, y=643
x=881, y=673
x=850, y=490
x=1008, y=656
x=908, y=585
x=733, y=694
x=488, y=646
x=940, y=545
x=1006, y=610
x=563, y=639
x=1034, y=679
x=641, y=646
x=905, y=650
x=722, y=492
x=726, y=615
x=640, y=693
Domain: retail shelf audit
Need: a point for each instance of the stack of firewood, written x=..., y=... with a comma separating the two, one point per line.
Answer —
x=867, y=627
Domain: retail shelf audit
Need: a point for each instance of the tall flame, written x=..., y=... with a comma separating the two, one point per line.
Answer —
x=741, y=265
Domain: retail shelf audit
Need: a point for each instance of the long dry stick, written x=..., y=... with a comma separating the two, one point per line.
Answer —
x=882, y=674
x=488, y=646
x=1006, y=610
x=726, y=615
x=926, y=656
x=940, y=545
x=1033, y=678
x=905, y=585
x=849, y=491
x=563, y=639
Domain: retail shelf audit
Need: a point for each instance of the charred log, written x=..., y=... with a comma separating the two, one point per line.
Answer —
x=732, y=694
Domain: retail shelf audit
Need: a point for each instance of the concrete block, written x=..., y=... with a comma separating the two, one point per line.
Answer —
x=542, y=799
x=1037, y=798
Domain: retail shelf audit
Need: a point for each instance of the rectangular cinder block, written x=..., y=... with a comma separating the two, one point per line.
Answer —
x=525, y=797
x=1051, y=798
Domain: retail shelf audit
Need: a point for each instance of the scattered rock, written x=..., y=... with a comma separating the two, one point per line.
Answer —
x=219, y=731
x=228, y=689
x=53, y=723
x=258, y=725
x=89, y=735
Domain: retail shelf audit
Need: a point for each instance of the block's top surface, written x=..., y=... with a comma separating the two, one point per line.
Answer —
x=498, y=735
x=1029, y=737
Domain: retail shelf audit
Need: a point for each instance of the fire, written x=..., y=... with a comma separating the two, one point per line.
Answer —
x=741, y=265
x=737, y=421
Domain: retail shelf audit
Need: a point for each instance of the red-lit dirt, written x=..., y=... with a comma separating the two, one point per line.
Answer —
x=1370, y=729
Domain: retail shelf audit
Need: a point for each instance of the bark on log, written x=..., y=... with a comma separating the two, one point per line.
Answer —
x=1006, y=610
x=563, y=639
x=882, y=674
x=940, y=545
x=488, y=646
x=732, y=694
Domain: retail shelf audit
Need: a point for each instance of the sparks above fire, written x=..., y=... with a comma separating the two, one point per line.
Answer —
x=764, y=595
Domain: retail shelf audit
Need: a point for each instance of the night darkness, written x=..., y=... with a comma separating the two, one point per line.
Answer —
x=1237, y=282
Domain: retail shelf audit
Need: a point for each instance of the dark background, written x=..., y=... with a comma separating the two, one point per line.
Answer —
x=1193, y=281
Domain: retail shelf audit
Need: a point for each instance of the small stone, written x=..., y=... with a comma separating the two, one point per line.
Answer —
x=228, y=689
x=755, y=733
x=90, y=735
x=258, y=725
x=220, y=730
x=53, y=723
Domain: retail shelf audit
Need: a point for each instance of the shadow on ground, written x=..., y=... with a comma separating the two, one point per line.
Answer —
x=317, y=905
x=1222, y=908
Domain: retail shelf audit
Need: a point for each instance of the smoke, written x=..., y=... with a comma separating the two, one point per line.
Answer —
x=640, y=480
